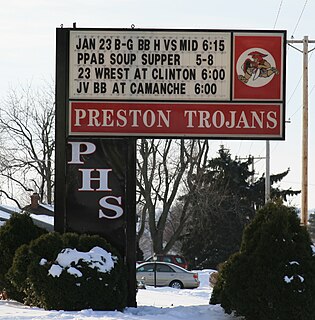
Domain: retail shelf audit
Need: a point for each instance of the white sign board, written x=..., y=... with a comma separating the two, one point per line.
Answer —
x=151, y=65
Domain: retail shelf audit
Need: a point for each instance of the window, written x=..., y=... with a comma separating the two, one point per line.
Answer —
x=163, y=268
x=167, y=259
x=146, y=268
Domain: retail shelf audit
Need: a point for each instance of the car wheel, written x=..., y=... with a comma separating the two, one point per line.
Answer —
x=176, y=284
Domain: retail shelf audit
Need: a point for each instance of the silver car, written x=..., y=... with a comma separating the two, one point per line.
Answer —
x=161, y=274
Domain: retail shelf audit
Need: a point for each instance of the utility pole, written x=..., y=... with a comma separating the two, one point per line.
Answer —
x=253, y=168
x=252, y=158
x=267, y=179
x=304, y=193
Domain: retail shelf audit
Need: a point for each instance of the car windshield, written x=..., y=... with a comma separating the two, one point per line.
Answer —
x=179, y=260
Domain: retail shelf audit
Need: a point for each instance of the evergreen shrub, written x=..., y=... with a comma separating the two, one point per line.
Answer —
x=78, y=286
x=18, y=230
x=273, y=275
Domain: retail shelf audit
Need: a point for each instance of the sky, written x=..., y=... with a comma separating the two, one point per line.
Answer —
x=28, y=45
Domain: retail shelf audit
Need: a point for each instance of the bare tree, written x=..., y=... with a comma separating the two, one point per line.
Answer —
x=27, y=126
x=163, y=167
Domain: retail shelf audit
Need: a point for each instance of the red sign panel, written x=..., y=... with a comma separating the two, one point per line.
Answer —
x=258, y=67
x=176, y=119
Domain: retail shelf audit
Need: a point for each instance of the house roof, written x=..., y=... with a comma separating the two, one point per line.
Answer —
x=43, y=218
x=41, y=209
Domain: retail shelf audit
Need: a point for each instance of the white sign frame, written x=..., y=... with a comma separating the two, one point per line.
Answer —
x=150, y=65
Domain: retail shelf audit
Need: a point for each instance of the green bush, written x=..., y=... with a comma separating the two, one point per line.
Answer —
x=32, y=274
x=18, y=230
x=273, y=275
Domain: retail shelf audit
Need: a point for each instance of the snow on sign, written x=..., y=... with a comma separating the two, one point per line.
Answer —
x=199, y=83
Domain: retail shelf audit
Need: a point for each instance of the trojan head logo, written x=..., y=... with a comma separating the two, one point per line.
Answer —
x=256, y=67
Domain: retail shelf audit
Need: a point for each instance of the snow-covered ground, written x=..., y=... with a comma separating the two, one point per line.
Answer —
x=153, y=304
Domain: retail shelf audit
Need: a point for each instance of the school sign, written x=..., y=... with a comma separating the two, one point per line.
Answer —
x=214, y=84
x=114, y=85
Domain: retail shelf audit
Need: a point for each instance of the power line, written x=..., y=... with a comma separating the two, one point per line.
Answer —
x=309, y=60
x=298, y=84
x=296, y=111
x=302, y=104
x=274, y=26
x=299, y=18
